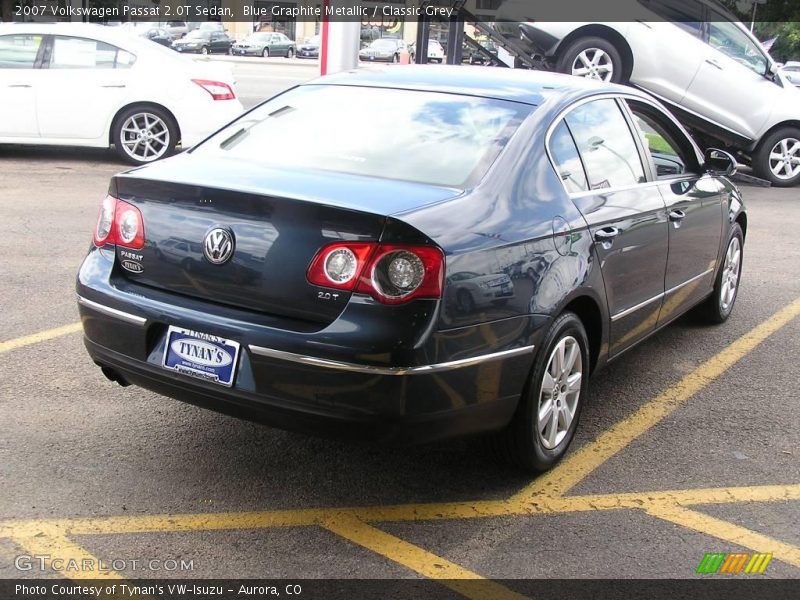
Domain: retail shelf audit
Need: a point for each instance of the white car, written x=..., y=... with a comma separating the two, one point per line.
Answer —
x=74, y=84
x=692, y=55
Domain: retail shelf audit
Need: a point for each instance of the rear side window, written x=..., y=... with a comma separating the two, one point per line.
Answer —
x=19, y=51
x=686, y=14
x=418, y=136
x=606, y=145
x=566, y=158
x=82, y=53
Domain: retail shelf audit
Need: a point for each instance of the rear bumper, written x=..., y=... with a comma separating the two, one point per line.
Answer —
x=310, y=381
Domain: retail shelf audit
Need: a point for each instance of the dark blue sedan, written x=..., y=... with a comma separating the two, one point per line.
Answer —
x=304, y=265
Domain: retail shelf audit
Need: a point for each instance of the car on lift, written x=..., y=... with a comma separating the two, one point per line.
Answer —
x=265, y=44
x=758, y=114
x=75, y=84
x=311, y=288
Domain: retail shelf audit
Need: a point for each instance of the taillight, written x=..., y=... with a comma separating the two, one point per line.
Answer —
x=390, y=273
x=119, y=223
x=218, y=89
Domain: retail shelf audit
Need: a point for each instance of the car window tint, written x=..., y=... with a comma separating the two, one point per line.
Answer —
x=436, y=138
x=671, y=150
x=19, y=51
x=568, y=162
x=606, y=145
x=686, y=14
x=81, y=53
x=733, y=42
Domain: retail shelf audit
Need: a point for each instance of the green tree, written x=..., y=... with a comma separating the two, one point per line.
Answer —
x=779, y=18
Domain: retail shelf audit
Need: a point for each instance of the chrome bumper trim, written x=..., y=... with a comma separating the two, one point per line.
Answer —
x=377, y=370
x=112, y=312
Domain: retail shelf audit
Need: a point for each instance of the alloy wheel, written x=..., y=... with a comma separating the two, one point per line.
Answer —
x=559, y=392
x=784, y=159
x=730, y=275
x=593, y=63
x=145, y=137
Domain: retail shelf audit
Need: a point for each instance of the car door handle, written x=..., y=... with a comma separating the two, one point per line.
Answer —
x=676, y=215
x=114, y=85
x=19, y=85
x=606, y=234
x=713, y=62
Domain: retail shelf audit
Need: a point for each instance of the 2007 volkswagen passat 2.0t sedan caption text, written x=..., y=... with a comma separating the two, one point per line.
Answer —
x=509, y=234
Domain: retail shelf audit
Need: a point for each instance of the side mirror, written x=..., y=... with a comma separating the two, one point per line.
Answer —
x=719, y=162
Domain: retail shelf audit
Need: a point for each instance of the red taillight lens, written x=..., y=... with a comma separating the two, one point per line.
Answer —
x=218, y=89
x=390, y=273
x=119, y=223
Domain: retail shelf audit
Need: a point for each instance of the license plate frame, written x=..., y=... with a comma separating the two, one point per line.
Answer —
x=201, y=355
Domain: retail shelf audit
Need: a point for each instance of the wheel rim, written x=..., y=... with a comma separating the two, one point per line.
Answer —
x=204, y=50
x=784, y=159
x=560, y=392
x=145, y=137
x=290, y=53
x=593, y=63
x=730, y=275
x=265, y=52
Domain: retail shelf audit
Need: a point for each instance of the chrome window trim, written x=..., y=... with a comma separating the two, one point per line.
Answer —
x=112, y=312
x=378, y=370
x=612, y=96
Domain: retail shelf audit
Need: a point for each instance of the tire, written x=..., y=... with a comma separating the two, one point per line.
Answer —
x=719, y=305
x=526, y=443
x=594, y=57
x=265, y=52
x=290, y=53
x=145, y=149
x=396, y=59
x=773, y=152
x=531, y=274
x=204, y=50
x=466, y=302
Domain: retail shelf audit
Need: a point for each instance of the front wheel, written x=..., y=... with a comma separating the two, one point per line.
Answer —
x=718, y=307
x=290, y=53
x=777, y=158
x=592, y=58
x=547, y=416
x=265, y=52
x=145, y=134
x=204, y=50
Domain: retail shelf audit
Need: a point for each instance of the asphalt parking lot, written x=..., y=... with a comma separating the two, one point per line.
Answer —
x=688, y=444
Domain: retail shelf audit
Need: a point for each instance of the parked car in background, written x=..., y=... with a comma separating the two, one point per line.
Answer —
x=201, y=41
x=471, y=55
x=718, y=79
x=155, y=34
x=319, y=285
x=435, y=51
x=383, y=50
x=265, y=44
x=176, y=29
x=791, y=71
x=73, y=84
x=469, y=290
x=309, y=48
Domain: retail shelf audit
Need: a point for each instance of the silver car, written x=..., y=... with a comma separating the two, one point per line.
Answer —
x=692, y=55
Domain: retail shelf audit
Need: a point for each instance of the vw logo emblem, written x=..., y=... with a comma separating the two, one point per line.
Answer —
x=218, y=246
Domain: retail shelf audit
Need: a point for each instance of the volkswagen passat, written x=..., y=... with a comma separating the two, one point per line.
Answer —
x=306, y=288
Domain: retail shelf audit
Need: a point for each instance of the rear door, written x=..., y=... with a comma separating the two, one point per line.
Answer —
x=600, y=163
x=20, y=55
x=695, y=209
x=83, y=85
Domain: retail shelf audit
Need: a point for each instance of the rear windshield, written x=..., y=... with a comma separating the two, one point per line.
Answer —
x=425, y=137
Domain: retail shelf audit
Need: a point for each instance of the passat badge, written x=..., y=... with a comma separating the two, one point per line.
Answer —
x=218, y=246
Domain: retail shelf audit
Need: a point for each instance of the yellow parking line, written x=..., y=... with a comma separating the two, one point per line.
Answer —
x=74, y=560
x=421, y=561
x=724, y=530
x=42, y=336
x=580, y=464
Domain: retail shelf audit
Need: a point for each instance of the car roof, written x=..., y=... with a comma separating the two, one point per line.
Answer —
x=112, y=35
x=516, y=85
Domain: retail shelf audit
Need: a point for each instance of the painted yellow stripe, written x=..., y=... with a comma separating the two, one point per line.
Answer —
x=42, y=336
x=581, y=463
x=767, y=558
x=421, y=561
x=724, y=530
x=58, y=547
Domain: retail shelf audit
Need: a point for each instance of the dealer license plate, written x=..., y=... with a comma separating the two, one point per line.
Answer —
x=201, y=355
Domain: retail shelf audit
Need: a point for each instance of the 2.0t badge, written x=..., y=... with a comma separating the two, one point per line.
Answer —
x=218, y=246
